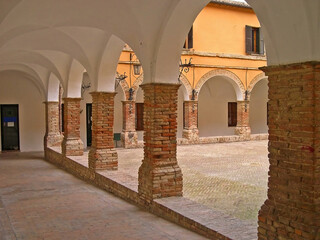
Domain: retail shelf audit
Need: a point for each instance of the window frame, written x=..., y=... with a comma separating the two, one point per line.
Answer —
x=232, y=114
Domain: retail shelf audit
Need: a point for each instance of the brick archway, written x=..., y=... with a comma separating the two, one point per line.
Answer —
x=233, y=79
x=254, y=81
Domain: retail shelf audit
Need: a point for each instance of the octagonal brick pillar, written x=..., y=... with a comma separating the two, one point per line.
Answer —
x=129, y=136
x=102, y=154
x=53, y=137
x=190, y=128
x=160, y=175
x=243, y=128
x=72, y=144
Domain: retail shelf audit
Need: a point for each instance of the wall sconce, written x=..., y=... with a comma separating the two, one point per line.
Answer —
x=119, y=78
x=85, y=87
x=184, y=67
x=136, y=68
x=194, y=94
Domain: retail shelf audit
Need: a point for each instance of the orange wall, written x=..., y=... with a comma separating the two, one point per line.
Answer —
x=221, y=29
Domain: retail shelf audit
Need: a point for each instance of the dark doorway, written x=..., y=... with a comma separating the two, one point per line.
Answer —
x=89, y=123
x=10, y=127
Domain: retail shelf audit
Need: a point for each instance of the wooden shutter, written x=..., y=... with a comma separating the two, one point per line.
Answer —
x=190, y=38
x=232, y=114
x=261, y=42
x=139, y=116
x=248, y=39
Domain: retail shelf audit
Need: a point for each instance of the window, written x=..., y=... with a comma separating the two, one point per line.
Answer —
x=189, y=40
x=232, y=114
x=139, y=116
x=254, y=41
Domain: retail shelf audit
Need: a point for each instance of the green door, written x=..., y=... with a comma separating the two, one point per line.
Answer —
x=89, y=123
x=10, y=127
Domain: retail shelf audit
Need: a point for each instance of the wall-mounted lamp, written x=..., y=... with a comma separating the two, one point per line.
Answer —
x=184, y=67
x=85, y=87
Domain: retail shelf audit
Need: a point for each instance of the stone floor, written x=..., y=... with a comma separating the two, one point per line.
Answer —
x=40, y=201
x=229, y=177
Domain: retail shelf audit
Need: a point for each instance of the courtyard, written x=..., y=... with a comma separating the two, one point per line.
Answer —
x=228, y=177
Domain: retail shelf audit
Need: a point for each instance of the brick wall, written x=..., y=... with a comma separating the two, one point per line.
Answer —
x=292, y=208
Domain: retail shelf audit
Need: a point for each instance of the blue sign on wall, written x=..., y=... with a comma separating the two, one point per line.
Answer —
x=10, y=119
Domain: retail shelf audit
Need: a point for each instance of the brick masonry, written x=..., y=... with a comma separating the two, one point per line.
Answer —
x=129, y=136
x=292, y=208
x=243, y=128
x=72, y=144
x=190, y=129
x=159, y=175
x=102, y=154
x=53, y=137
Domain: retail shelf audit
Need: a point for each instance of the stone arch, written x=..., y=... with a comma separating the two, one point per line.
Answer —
x=233, y=79
x=135, y=86
x=254, y=81
x=185, y=82
x=125, y=88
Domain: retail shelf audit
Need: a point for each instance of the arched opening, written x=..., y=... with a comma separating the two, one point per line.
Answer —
x=258, y=107
x=214, y=97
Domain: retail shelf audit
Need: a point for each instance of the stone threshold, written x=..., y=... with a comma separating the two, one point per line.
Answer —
x=182, y=211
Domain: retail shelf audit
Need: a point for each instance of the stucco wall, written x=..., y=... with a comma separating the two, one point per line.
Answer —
x=213, y=107
x=258, y=107
x=17, y=89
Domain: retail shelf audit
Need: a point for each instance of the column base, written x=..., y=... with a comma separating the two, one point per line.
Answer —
x=72, y=147
x=129, y=139
x=243, y=132
x=103, y=159
x=191, y=134
x=53, y=140
x=159, y=182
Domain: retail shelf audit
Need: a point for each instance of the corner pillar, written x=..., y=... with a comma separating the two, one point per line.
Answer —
x=102, y=154
x=159, y=175
x=72, y=144
x=129, y=136
x=292, y=208
x=243, y=128
x=53, y=136
x=190, y=128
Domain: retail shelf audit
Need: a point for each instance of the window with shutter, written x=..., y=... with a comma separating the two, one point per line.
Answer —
x=254, y=41
x=232, y=114
x=189, y=40
x=139, y=116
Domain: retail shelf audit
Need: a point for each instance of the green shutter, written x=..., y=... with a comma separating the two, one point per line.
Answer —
x=248, y=39
x=261, y=42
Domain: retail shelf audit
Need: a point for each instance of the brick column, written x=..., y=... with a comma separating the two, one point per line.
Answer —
x=159, y=175
x=243, y=128
x=190, y=129
x=72, y=144
x=129, y=136
x=292, y=210
x=102, y=154
x=53, y=136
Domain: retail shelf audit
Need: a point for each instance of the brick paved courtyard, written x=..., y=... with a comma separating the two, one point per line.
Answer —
x=230, y=177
